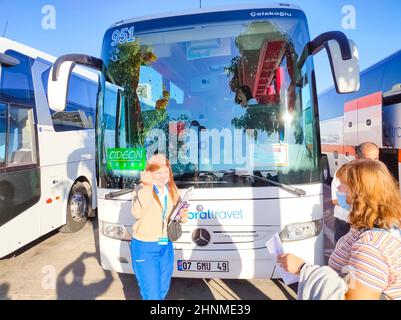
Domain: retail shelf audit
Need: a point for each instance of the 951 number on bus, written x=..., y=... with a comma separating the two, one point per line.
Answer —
x=202, y=266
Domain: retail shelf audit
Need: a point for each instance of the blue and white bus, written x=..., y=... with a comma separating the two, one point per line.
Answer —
x=371, y=114
x=47, y=158
x=168, y=85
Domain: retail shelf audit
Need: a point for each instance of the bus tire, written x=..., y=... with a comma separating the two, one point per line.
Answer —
x=78, y=208
x=325, y=170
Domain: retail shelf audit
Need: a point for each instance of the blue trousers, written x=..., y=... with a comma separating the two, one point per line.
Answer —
x=153, y=266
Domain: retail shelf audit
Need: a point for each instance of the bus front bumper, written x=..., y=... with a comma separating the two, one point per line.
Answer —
x=223, y=264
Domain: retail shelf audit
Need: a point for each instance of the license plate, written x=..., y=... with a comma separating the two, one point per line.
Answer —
x=202, y=266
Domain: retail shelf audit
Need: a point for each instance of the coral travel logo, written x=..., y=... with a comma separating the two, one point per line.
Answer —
x=209, y=214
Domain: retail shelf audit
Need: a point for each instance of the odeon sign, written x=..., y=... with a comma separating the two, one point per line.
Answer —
x=125, y=155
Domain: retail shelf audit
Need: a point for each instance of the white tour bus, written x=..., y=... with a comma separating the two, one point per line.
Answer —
x=168, y=85
x=371, y=114
x=47, y=158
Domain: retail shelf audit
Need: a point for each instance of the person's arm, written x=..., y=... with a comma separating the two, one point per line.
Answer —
x=142, y=197
x=367, y=280
x=334, y=188
x=141, y=201
x=361, y=292
x=356, y=291
x=290, y=263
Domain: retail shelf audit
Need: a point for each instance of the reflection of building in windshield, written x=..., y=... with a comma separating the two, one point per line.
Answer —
x=73, y=119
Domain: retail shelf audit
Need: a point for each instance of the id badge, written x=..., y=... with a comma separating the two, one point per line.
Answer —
x=163, y=241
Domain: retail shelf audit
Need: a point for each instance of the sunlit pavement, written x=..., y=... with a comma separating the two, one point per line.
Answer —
x=65, y=266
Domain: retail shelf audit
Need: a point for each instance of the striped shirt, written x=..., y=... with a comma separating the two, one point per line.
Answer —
x=374, y=258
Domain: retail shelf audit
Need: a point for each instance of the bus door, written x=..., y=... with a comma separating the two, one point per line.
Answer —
x=19, y=161
x=20, y=176
x=391, y=154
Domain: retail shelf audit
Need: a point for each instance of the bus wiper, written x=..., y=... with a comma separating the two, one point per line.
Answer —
x=112, y=195
x=197, y=178
x=297, y=191
x=199, y=182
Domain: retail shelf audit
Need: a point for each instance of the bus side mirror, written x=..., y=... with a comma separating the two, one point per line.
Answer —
x=57, y=87
x=345, y=72
x=343, y=56
x=59, y=77
x=8, y=61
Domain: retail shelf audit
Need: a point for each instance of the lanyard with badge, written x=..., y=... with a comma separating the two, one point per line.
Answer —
x=162, y=240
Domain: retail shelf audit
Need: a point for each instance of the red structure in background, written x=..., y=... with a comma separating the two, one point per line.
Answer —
x=266, y=79
x=269, y=60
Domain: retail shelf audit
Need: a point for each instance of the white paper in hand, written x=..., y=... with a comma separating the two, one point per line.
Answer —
x=275, y=248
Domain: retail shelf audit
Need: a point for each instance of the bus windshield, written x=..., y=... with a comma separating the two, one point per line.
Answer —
x=224, y=101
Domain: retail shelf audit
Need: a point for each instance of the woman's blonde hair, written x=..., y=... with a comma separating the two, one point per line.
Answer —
x=158, y=161
x=376, y=200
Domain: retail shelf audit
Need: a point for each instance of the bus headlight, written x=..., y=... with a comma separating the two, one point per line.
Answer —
x=115, y=231
x=301, y=231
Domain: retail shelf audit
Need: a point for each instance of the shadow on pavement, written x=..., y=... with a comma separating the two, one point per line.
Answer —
x=4, y=288
x=282, y=287
x=245, y=290
x=95, y=226
x=180, y=289
x=130, y=286
x=75, y=289
x=189, y=289
x=201, y=289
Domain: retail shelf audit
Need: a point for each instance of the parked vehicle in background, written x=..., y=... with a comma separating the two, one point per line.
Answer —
x=47, y=158
x=371, y=114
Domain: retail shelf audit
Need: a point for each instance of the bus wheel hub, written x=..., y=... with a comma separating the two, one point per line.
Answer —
x=79, y=206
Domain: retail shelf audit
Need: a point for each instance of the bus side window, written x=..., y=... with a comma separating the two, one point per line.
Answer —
x=3, y=134
x=16, y=82
x=392, y=74
x=371, y=82
x=21, y=148
x=92, y=91
x=80, y=108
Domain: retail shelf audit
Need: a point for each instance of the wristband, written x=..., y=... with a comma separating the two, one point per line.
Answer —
x=300, y=267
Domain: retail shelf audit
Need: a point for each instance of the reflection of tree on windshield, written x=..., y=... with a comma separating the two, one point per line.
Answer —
x=125, y=68
x=162, y=103
x=263, y=48
x=258, y=118
x=232, y=70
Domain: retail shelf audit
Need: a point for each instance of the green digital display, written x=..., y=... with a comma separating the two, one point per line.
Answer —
x=126, y=159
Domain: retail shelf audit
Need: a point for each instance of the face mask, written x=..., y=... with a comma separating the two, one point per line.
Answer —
x=342, y=200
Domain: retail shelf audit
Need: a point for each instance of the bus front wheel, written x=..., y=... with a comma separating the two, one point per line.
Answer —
x=78, y=208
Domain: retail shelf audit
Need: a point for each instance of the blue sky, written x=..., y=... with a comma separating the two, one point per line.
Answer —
x=80, y=25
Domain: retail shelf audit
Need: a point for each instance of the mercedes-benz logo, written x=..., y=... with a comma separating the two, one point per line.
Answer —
x=201, y=237
x=199, y=208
